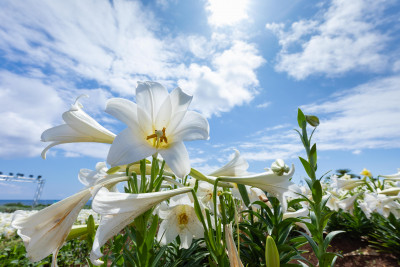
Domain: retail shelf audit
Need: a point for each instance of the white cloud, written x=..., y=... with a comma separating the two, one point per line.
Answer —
x=28, y=107
x=231, y=82
x=263, y=105
x=344, y=38
x=101, y=48
x=226, y=12
x=366, y=116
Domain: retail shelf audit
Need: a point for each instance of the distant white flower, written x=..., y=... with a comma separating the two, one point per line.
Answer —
x=45, y=232
x=393, y=177
x=120, y=209
x=279, y=186
x=159, y=122
x=237, y=166
x=381, y=204
x=79, y=127
x=179, y=218
x=345, y=182
x=393, y=191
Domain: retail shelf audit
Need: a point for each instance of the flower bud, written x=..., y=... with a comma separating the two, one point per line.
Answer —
x=271, y=253
x=366, y=172
x=279, y=167
x=312, y=120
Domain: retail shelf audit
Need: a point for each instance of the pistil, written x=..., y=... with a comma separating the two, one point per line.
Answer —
x=160, y=137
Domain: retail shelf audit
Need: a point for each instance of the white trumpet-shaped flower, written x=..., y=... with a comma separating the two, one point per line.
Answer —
x=345, y=182
x=45, y=232
x=78, y=127
x=279, y=186
x=120, y=209
x=393, y=177
x=381, y=204
x=179, y=218
x=237, y=166
x=157, y=122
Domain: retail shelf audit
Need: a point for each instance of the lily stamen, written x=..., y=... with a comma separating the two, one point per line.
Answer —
x=159, y=136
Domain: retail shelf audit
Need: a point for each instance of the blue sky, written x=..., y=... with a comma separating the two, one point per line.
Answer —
x=248, y=64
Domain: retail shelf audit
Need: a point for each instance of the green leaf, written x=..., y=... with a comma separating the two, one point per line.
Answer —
x=311, y=241
x=243, y=194
x=317, y=191
x=307, y=168
x=329, y=238
x=301, y=119
x=327, y=259
x=313, y=155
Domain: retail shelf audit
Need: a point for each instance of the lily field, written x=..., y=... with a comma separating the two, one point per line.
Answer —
x=171, y=214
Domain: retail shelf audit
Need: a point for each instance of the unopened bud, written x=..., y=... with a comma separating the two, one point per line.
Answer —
x=279, y=167
x=312, y=120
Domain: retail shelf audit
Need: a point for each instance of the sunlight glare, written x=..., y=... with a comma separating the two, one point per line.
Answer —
x=226, y=12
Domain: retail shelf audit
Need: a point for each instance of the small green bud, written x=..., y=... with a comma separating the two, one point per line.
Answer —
x=312, y=120
x=279, y=167
x=271, y=253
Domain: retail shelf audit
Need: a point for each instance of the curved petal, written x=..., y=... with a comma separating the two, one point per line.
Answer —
x=124, y=110
x=236, y=167
x=177, y=158
x=193, y=126
x=129, y=146
x=119, y=210
x=64, y=133
x=150, y=96
x=43, y=154
x=145, y=122
x=180, y=101
x=83, y=123
x=45, y=231
x=163, y=115
x=186, y=239
x=168, y=231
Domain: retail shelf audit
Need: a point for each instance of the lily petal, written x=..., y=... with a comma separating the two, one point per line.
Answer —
x=234, y=260
x=193, y=126
x=150, y=96
x=278, y=186
x=236, y=167
x=123, y=110
x=126, y=149
x=80, y=121
x=177, y=158
x=119, y=210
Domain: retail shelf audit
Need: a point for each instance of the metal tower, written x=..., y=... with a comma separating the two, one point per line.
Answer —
x=19, y=177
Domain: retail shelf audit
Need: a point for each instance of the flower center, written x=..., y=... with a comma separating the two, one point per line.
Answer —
x=183, y=219
x=159, y=137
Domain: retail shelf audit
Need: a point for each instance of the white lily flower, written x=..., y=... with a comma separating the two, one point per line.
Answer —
x=45, y=232
x=79, y=127
x=179, y=218
x=393, y=177
x=158, y=123
x=279, y=186
x=393, y=191
x=381, y=204
x=345, y=182
x=237, y=166
x=119, y=210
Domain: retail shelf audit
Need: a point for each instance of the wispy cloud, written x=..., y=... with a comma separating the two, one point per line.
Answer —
x=63, y=49
x=348, y=36
x=363, y=117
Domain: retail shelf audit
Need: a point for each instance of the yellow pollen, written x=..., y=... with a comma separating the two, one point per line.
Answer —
x=160, y=137
x=183, y=218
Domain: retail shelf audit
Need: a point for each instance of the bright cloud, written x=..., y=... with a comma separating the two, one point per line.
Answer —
x=102, y=48
x=231, y=81
x=226, y=12
x=364, y=117
x=344, y=38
